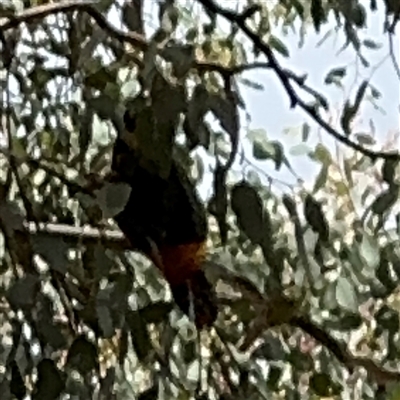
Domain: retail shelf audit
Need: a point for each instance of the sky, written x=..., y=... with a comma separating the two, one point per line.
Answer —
x=269, y=108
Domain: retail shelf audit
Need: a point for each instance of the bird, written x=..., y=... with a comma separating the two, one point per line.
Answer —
x=164, y=218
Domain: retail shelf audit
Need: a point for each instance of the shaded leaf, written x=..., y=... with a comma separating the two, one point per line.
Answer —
x=349, y=322
x=278, y=45
x=113, y=197
x=155, y=313
x=23, y=292
x=349, y=112
x=348, y=170
x=335, y=74
x=249, y=210
x=226, y=111
x=132, y=15
x=385, y=200
x=220, y=201
x=101, y=105
x=364, y=139
x=269, y=150
x=197, y=108
x=360, y=95
x=104, y=319
x=189, y=351
x=371, y=44
x=290, y=205
x=305, y=132
x=389, y=170
x=149, y=394
x=50, y=382
x=52, y=334
x=321, y=384
x=99, y=79
x=321, y=179
x=271, y=349
x=140, y=337
x=54, y=251
x=316, y=218
x=182, y=58
x=387, y=318
x=317, y=14
x=82, y=355
x=17, y=384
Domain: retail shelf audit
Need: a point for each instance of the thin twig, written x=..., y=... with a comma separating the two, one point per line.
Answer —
x=294, y=98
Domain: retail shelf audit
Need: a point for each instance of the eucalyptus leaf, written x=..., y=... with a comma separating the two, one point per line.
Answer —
x=369, y=251
x=346, y=295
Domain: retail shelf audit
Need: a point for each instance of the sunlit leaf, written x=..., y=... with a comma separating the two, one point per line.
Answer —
x=369, y=251
x=346, y=295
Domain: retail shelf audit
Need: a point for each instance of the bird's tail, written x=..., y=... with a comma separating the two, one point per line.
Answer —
x=198, y=289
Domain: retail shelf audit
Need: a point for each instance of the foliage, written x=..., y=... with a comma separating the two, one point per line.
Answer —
x=307, y=279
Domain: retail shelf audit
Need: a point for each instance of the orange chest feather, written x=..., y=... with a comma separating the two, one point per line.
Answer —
x=180, y=262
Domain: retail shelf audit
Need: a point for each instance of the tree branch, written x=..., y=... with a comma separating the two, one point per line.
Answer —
x=135, y=39
x=116, y=241
x=74, y=235
x=294, y=98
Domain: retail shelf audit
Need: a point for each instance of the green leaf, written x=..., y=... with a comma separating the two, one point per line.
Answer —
x=269, y=150
x=278, y=45
x=318, y=14
x=53, y=250
x=388, y=318
x=360, y=95
x=346, y=295
x=384, y=275
x=113, y=197
x=389, y=170
x=259, y=134
x=149, y=394
x=50, y=381
x=140, y=337
x=385, y=200
x=300, y=150
x=349, y=112
x=321, y=384
x=271, y=349
x=365, y=139
x=348, y=171
x=369, y=251
x=335, y=74
x=316, y=218
x=394, y=392
x=83, y=355
x=156, y=312
x=349, y=322
x=371, y=44
x=251, y=216
x=321, y=179
x=322, y=155
x=305, y=132
x=274, y=376
x=99, y=79
x=251, y=84
x=375, y=93
x=22, y=294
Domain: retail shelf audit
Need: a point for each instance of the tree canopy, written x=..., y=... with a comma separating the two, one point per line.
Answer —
x=307, y=273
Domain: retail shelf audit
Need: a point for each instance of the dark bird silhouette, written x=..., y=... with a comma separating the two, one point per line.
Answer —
x=164, y=218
